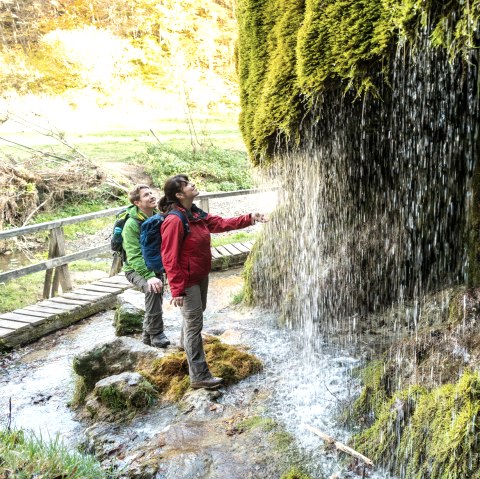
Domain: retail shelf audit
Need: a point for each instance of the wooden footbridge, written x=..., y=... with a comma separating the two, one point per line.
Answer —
x=56, y=310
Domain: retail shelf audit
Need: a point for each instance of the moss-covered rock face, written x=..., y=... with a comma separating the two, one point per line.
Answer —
x=376, y=204
x=290, y=53
x=420, y=400
x=424, y=433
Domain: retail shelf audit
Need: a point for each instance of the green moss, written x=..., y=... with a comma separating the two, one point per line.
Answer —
x=473, y=239
x=432, y=434
x=113, y=398
x=295, y=473
x=254, y=422
x=169, y=374
x=291, y=52
x=375, y=390
x=80, y=392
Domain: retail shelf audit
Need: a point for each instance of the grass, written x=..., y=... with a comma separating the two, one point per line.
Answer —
x=76, y=230
x=239, y=237
x=212, y=168
x=122, y=144
x=27, y=290
x=24, y=456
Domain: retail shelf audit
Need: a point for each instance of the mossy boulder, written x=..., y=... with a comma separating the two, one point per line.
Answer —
x=169, y=374
x=128, y=318
x=123, y=354
x=128, y=390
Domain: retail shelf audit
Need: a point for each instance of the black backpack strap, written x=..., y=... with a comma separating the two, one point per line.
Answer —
x=183, y=218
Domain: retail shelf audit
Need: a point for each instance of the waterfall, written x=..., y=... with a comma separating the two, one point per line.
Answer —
x=376, y=197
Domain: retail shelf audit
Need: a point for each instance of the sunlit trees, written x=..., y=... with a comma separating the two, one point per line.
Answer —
x=164, y=41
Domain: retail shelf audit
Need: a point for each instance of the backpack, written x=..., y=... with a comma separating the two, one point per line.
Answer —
x=151, y=240
x=116, y=241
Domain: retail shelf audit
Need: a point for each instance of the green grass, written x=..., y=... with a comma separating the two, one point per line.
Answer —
x=239, y=237
x=25, y=456
x=211, y=168
x=28, y=290
x=76, y=230
x=122, y=145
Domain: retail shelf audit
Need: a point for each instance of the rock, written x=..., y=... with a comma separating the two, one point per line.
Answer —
x=125, y=391
x=123, y=354
x=128, y=315
x=201, y=403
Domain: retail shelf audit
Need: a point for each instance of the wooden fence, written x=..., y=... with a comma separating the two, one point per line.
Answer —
x=56, y=266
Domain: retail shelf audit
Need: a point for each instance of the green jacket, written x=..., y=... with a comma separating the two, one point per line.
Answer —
x=131, y=244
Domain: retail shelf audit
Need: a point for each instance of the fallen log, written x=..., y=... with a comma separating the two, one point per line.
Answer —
x=340, y=446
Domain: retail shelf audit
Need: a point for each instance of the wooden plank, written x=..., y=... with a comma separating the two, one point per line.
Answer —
x=52, y=253
x=248, y=244
x=60, y=306
x=81, y=297
x=111, y=285
x=5, y=331
x=92, y=294
x=241, y=247
x=58, y=223
x=223, y=251
x=215, y=253
x=34, y=307
x=21, y=318
x=12, y=325
x=115, y=280
x=232, y=249
x=61, y=299
x=100, y=289
x=36, y=314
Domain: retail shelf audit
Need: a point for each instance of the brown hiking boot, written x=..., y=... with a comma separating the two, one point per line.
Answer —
x=211, y=383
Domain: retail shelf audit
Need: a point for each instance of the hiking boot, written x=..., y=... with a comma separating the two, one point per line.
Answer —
x=146, y=339
x=212, y=383
x=159, y=340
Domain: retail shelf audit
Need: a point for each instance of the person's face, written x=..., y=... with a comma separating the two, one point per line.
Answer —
x=147, y=200
x=189, y=192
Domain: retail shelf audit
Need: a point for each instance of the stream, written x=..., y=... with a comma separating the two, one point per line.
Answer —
x=304, y=380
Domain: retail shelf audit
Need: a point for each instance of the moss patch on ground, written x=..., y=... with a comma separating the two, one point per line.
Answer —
x=170, y=373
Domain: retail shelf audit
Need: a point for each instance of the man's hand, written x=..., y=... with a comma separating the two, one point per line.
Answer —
x=155, y=285
x=177, y=301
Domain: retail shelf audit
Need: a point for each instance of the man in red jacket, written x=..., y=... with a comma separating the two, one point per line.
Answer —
x=187, y=262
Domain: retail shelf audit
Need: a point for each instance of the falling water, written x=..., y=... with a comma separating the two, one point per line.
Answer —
x=375, y=199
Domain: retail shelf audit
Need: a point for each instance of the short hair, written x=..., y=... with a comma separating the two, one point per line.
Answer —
x=134, y=195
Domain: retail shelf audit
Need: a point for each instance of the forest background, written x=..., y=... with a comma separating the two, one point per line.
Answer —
x=99, y=94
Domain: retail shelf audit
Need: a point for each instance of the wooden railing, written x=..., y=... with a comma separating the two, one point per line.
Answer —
x=56, y=266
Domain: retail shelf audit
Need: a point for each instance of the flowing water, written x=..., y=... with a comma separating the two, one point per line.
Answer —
x=376, y=197
x=304, y=385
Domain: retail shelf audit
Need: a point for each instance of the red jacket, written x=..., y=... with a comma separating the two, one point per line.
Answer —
x=187, y=261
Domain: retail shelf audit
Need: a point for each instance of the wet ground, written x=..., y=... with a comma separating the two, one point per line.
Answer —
x=303, y=382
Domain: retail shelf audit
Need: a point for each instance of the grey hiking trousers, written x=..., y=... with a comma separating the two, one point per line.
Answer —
x=194, y=304
x=153, y=320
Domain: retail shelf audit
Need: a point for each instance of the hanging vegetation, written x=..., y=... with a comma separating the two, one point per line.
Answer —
x=289, y=53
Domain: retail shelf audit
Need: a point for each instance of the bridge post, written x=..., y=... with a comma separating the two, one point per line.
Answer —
x=61, y=275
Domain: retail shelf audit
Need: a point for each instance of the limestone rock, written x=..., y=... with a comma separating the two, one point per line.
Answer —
x=124, y=391
x=129, y=313
x=123, y=354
